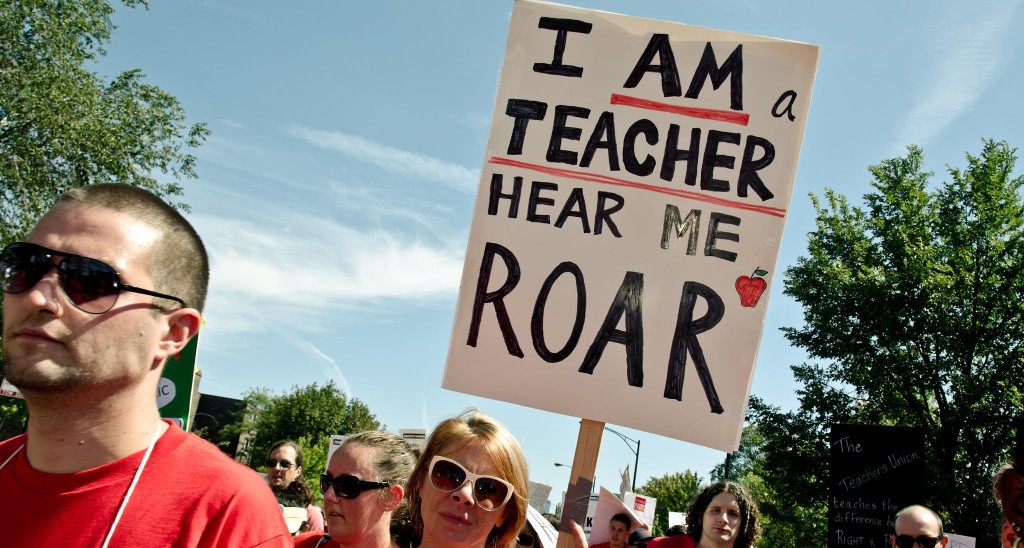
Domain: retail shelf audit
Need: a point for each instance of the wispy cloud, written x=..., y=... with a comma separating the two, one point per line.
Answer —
x=392, y=159
x=332, y=370
x=424, y=414
x=968, y=42
x=299, y=269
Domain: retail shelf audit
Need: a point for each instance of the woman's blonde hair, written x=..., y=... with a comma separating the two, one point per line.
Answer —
x=506, y=455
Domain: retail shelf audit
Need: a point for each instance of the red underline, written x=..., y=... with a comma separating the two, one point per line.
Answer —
x=693, y=112
x=606, y=180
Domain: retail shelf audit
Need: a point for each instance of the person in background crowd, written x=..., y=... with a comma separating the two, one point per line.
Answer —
x=618, y=529
x=918, y=526
x=107, y=287
x=675, y=530
x=469, y=487
x=284, y=475
x=723, y=515
x=363, y=489
x=527, y=536
x=1008, y=488
x=639, y=538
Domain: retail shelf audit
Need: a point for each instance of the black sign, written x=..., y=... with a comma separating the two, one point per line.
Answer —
x=874, y=472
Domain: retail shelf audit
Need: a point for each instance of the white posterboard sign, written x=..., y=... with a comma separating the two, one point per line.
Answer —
x=632, y=200
x=641, y=506
x=417, y=437
x=9, y=390
x=336, y=441
x=607, y=506
x=676, y=518
x=960, y=541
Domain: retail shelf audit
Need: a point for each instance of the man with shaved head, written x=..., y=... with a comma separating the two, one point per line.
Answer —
x=918, y=527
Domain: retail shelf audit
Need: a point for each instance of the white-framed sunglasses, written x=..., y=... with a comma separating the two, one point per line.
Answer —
x=489, y=492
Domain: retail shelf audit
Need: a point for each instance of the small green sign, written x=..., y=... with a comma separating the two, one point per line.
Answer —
x=178, y=384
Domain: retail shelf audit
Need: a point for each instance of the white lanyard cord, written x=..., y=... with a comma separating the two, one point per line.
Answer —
x=131, y=487
x=20, y=447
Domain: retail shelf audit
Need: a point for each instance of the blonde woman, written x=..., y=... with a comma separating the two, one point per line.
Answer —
x=469, y=488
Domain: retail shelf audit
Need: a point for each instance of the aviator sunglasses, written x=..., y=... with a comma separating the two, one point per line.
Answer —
x=91, y=285
x=348, y=487
x=274, y=463
x=490, y=492
x=924, y=541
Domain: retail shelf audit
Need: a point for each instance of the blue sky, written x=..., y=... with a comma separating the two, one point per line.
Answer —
x=336, y=192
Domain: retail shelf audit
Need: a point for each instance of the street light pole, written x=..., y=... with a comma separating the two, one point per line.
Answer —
x=636, y=452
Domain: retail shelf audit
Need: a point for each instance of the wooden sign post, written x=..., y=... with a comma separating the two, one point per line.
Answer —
x=581, y=477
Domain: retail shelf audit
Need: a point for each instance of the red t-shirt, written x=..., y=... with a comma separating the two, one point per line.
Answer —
x=678, y=541
x=189, y=494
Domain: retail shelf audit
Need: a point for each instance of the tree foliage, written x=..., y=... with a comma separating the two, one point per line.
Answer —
x=63, y=126
x=12, y=417
x=308, y=414
x=674, y=493
x=783, y=462
x=912, y=313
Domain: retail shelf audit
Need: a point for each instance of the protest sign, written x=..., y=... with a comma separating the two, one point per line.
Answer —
x=9, y=390
x=607, y=506
x=874, y=471
x=335, y=443
x=634, y=191
x=177, y=392
x=641, y=506
x=417, y=437
x=960, y=541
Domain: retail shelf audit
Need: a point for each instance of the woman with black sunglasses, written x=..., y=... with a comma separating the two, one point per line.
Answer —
x=469, y=487
x=363, y=490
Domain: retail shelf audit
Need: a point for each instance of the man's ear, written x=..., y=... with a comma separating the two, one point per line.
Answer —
x=395, y=495
x=180, y=326
x=1008, y=535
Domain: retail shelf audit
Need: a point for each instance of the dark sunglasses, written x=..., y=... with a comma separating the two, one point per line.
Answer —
x=525, y=539
x=490, y=492
x=348, y=487
x=91, y=285
x=907, y=541
x=271, y=463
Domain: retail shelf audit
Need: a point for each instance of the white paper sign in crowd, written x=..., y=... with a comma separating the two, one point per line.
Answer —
x=633, y=196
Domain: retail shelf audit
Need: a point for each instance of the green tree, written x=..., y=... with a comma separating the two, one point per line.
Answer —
x=912, y=313
x=674, y=493
x=309, y=414
x=783, y=462
x=63, y=126
x=12, y=417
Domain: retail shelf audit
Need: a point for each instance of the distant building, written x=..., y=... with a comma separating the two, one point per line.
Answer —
x=539, y=494
x=212, y=414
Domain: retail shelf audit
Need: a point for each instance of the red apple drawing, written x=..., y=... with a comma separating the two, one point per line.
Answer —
x=751, y=287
